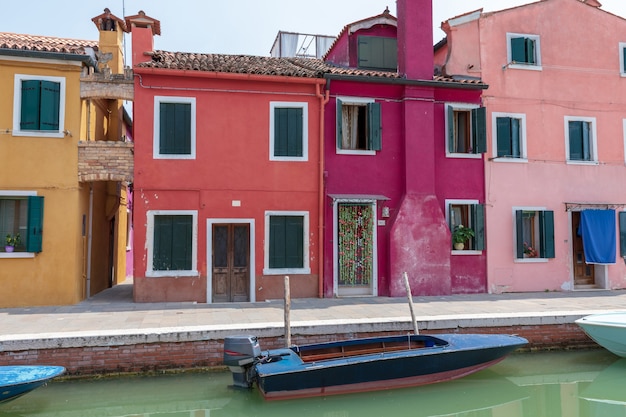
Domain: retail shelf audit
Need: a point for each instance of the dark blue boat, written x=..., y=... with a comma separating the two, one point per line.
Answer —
x=362, y=364
x=16, y=381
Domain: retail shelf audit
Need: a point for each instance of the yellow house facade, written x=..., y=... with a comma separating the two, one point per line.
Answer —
x=66, y=166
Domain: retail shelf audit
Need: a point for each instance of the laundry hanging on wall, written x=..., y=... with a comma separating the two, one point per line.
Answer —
x=597, y=228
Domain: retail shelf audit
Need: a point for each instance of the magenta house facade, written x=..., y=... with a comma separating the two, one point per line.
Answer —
x=556, y=112
x=403, y=163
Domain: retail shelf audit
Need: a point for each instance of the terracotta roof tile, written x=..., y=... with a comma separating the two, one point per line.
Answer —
x=45, y=43
x=260, y=65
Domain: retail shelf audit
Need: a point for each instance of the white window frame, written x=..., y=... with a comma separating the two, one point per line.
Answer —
x=352, y=101
x=193, y=272
x=157, y=126
x=494, y=137
x=514, y=241
x=622, y=64
x=594, y=139
x=461, y=203
x=509, y=59
x=16, y=194
x=463, y=107
x=17, y=107
x=306, y=268
x=305, y=130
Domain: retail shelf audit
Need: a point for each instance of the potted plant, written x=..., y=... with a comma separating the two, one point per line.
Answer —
x=11, y=242
x=460, y=235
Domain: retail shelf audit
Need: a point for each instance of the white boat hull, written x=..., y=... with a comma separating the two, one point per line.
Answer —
x=607, y=329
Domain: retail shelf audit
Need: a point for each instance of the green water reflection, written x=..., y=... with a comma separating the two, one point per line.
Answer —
x=558, y=384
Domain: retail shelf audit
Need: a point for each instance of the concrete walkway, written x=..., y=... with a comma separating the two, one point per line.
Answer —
x=113, y=315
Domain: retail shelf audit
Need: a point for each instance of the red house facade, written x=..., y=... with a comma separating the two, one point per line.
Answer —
x=403, y=163
x=227, y=174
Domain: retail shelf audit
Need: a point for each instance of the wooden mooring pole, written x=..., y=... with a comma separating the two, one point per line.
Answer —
x=410, y=297
x=287, y=313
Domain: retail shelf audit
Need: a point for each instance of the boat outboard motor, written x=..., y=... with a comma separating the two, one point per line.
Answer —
x=240, y=354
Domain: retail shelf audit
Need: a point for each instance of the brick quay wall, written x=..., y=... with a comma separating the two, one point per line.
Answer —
x=163, y=349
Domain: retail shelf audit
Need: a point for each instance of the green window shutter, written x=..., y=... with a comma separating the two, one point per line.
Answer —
x=34, y=236
x=182, y=242
x=624, y=60
x=339, y=124
x=294, y=238
x=546, y=234
x=277, y=242
x=586, y=144
x=378, y=52
x=515, y=138
x=503, y=128
x=518, y=50
x=31, y=99
x=374, y=126
x=478, y=214
x=519, y=244
x=530, y=50
x=451, y=133
x=575, y=140
x=365, y=51
x=479, y=129
x=162, y=245
x=288, y=131
x=175, y=129
x=622, y=233
x=50, y=103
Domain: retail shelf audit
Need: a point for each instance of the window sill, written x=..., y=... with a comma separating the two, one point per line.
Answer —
x=570, y=162
x=17, y=255
x=531, y=260
x=531, y=67
x=287, y=271
x=507, y=159
x=38, y=133
x=467, y=252
x=465, y=155
x=171, y=274
x=355, y=152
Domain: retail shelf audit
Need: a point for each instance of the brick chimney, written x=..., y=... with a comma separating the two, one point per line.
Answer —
x=111, y=29
x=415, y=39
x=142, y=28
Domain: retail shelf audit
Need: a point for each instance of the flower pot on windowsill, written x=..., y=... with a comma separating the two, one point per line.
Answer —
x=459, y=246
x=9, y=249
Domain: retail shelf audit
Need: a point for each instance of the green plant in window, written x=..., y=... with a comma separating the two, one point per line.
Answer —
x=462, y=234
x=13, y=240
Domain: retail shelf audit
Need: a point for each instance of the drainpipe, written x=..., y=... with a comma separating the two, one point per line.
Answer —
x=89, y=242
x=323, y=95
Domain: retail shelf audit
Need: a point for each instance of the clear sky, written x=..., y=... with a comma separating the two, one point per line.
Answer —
x=228, y=26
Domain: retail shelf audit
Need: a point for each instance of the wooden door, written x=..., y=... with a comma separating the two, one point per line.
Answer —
x=231, y=263
x=584, y=274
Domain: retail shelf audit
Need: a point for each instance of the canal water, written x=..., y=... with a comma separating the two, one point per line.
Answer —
x=549, y=384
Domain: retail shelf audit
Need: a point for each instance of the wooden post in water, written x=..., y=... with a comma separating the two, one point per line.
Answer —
x=410, y=297
x=287, y=313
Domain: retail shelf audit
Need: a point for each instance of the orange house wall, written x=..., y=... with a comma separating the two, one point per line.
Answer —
x=232, y=164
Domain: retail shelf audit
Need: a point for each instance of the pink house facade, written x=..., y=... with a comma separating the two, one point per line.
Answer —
x=556, y=128
x=227, y=174
x=403, y=163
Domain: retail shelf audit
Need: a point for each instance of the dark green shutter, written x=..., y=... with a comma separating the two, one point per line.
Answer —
x=622, y=233
x=374, y=126
x=518, y=50
x=294, y=238
x=503, y=127
x=586, y=148
x=175, y=129
x=288, y=131
x=479, y=129
x=546, y=234
x=623, y=60
x=530, y=50
x=519, y=232
x=478, y=214
x=451, y=132
x=31, y=103
x=172, y=245
x=339, y=129
x=34, y=236
x=378, y=52
x=365, y=52
x=575, y=141
x=515, y=138
x=50, y=102
x=277, y=242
